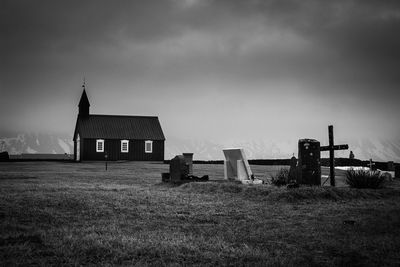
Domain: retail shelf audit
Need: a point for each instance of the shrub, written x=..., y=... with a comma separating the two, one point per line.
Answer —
x=364, y=179
x=281, y=177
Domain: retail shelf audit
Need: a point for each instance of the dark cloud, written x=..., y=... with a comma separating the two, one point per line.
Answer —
x=331, y=50
x=362, y=35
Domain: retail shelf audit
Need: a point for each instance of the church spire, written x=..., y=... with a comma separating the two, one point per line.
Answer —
x=84, y=102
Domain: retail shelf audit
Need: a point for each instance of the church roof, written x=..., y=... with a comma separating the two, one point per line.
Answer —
x=119, y=127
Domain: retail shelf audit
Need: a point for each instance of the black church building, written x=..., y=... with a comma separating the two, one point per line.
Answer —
x=111, y=137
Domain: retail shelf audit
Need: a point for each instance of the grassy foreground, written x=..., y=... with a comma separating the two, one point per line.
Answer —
x=78, y=214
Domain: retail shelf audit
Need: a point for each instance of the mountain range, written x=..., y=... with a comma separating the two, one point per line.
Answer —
x=378, y=150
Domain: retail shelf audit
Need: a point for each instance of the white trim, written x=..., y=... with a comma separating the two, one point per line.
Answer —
x=100, y=145
x=148, y=142
x=126, y=149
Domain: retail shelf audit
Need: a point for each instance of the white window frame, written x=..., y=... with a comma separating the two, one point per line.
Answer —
x=122, y=146
x=100, y=141
x=151, y=146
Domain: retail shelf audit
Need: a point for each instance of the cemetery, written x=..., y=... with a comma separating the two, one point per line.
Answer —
x=306, y=170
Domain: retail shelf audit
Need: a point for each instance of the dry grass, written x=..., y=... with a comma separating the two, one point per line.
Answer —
x=365, y=179
x=78, y=214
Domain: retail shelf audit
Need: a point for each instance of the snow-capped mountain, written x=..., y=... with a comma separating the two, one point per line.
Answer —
x=212, y=150
x=36, y=143
x=378, y=150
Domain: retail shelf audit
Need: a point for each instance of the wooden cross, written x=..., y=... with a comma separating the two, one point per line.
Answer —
x=331, y=147
x=371, y=164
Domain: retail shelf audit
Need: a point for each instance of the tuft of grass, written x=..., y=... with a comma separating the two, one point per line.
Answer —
x=213, y=187
x=364, y=179
x=282, y=195
x=281, y=177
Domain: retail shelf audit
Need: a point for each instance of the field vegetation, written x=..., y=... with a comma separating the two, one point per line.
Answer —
x=79, y=214
x=281, y=177
x=365, y=179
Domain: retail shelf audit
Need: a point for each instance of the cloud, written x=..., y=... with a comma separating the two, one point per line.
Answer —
x=278, y=33
x=342, y=53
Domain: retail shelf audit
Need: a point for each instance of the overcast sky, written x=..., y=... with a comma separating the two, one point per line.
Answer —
x=220, y=70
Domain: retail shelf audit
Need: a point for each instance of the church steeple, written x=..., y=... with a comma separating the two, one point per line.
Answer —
x=84, y=103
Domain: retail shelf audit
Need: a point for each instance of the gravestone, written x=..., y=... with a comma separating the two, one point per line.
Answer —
x=181, y=170
x=309, y=164
x=236, y=166
x=292, y=177
x=310, y=159
x=178, y=169
x=189, y=161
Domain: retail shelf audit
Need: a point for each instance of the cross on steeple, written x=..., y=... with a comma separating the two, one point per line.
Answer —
x=331, y=148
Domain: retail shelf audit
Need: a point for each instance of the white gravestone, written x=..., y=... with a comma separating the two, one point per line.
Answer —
x=236, y=166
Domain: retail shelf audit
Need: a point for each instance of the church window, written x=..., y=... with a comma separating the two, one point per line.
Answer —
x=148, y=146
x=124, y=146
x=99, y=145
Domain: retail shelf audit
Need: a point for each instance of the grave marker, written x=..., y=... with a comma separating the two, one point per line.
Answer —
x=371, y=165
x=181, y=170
x=309, y=162
x=178, y=169
x=189, y=161
x=331, y=148
x=292, y=177
x=236, y=166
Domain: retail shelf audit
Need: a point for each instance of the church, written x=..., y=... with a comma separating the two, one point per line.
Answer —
x=113, y=137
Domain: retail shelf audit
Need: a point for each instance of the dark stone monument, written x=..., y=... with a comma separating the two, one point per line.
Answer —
x=309, y=162
x=178, y=169
x=189, y=161
x=181, y=170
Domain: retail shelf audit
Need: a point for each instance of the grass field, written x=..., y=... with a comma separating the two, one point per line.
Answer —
x=79, y=214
